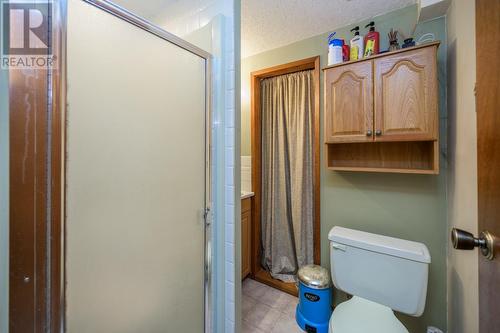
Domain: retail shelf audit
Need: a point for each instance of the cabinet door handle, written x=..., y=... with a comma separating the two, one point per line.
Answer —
x=378, y=132
x=369, y=133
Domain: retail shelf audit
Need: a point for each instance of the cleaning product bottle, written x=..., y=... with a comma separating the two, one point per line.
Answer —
x=372, y=40
x=357, y=46
x=334, y=50
x=345, y=51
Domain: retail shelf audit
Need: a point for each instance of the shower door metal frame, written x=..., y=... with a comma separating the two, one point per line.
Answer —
x=37, y=226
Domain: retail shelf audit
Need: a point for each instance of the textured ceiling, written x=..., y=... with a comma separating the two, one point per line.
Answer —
x=268, y=24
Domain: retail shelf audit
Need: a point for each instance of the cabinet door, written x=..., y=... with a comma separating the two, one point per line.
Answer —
x=349, y=103
x=406, y=106
x=245, y=243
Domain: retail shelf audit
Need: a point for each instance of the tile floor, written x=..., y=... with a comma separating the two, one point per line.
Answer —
x=267, y=310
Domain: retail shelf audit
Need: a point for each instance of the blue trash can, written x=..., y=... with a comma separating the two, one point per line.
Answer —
x=314, y=308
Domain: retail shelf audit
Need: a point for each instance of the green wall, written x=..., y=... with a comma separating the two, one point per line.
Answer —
x=406, y=206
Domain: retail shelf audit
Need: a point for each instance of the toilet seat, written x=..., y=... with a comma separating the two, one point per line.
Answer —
x=359, y=315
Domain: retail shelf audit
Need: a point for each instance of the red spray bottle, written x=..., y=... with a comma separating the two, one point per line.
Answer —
x=345, y=51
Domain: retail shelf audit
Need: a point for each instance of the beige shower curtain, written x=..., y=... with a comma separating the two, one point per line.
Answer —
x=287, y=173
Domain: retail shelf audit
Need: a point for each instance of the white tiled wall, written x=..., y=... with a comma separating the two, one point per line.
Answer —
x=183, y=17
x=230, y=185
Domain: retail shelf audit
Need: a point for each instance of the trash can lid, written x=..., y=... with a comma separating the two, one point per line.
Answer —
x=314, y=276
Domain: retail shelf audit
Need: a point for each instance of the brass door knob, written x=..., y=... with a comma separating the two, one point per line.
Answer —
x=464, y=240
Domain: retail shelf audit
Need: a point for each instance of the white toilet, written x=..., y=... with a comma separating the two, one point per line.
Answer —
x=383, y=274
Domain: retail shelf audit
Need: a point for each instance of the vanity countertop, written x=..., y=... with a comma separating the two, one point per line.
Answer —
x=246, y=194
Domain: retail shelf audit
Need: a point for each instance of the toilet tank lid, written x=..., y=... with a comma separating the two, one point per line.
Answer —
x=381, y=244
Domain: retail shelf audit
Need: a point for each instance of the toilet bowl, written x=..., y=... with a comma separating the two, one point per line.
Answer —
x=383, y=274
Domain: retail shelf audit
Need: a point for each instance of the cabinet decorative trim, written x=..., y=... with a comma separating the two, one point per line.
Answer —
x=353, y=81
x=413, y=97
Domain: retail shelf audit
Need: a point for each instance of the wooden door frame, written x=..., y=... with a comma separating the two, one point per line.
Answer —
x=488, y=120
x=35, y=242
x=36, y=106
x=313, y=63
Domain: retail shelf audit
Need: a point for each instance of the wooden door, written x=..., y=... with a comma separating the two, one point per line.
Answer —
x=349, y=103
x=488, y=150
x=246, y=223
x=406, y=96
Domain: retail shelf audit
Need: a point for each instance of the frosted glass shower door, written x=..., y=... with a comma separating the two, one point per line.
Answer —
x=135, y=178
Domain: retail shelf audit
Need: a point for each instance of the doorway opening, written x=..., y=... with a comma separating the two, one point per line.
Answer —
x=280, y=272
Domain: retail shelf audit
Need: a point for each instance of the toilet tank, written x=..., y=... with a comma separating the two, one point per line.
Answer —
x=386, y=270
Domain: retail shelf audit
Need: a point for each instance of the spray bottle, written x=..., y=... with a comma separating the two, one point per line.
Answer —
x=334, y=50
x=357, y=46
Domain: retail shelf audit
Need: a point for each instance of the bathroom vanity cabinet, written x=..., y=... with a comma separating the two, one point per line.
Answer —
x=381, y=113
x=246, y=229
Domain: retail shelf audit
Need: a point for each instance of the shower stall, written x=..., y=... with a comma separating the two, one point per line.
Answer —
x=137, y=175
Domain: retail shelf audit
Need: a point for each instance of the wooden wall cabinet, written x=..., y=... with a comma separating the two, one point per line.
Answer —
x=382, y=113
x=246, y=231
